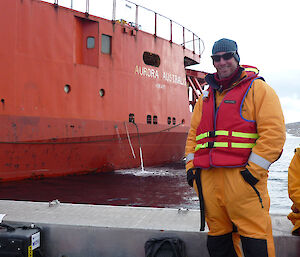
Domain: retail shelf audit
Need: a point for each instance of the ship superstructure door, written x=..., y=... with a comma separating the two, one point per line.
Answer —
x=86, y=41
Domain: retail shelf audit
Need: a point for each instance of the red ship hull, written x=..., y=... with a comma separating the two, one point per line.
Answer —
x=75, y=154
x=66, y=108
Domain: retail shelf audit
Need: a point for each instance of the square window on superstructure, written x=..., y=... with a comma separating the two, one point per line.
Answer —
x=105, y=44
x=90, y=42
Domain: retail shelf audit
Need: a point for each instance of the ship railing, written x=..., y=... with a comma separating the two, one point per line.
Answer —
x=138, y=17
x=196, y=85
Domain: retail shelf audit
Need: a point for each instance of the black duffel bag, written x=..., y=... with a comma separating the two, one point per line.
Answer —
x=165, y=247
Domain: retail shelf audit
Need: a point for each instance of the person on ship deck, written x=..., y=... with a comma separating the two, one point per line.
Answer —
x=237, y=131
x=294, y=191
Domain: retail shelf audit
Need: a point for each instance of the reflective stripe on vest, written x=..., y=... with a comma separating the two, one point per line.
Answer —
x=260, y=161
x=244, y=135
x=217, y=133
x=242, y=145
x=225, y=144
x=213, y=144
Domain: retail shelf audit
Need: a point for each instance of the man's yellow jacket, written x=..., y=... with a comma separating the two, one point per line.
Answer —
x=262, y=105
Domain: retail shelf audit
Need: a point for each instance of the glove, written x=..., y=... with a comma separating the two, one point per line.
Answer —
x=190, y=177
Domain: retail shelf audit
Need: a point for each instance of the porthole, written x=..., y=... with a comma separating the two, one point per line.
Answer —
x=169, y=120
x=149, y=118
x=131, y=117
x=101, y=92
x=67, y=88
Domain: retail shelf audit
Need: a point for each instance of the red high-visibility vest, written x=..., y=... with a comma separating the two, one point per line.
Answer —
x=225, y=138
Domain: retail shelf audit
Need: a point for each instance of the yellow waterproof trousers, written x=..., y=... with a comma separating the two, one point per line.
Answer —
x=230, y=200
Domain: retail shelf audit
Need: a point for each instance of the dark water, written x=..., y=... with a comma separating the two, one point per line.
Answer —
x=278, y=178
x=157, y=187
x=154, y=187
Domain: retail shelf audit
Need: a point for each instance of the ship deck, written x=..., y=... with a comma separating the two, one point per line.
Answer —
x=77, y=230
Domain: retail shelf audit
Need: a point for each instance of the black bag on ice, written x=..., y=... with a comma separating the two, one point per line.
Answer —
x=165, y=247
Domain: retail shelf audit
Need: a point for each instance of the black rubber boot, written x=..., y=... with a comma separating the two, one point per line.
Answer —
x=253, y=247
x=221, y=246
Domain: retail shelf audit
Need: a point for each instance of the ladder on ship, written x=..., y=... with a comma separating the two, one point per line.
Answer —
x=196, y=83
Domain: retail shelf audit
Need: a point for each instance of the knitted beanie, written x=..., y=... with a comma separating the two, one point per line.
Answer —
x=226, y=45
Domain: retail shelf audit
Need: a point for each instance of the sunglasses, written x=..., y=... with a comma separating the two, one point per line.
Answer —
x=226, y=56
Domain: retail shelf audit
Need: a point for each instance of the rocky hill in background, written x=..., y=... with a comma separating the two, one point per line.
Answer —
x=293, y=128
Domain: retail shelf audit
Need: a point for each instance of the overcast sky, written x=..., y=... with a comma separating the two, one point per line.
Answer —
x=266, y=32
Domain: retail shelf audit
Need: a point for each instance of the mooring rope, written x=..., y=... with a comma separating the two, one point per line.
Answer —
x=129, y=140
